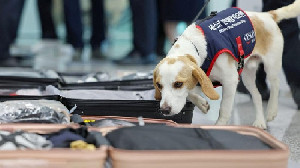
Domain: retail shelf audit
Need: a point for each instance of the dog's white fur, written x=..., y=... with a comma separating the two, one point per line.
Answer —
x=183, y=55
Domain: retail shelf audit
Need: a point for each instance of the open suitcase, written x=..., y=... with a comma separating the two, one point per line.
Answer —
x=277, y=157
x=127, y=108
x=134, y=120
x=24, y=78
x=103, y=81
x=53, y=158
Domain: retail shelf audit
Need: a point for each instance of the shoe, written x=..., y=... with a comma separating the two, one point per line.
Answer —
x=77, y=54
x=97, y=54
x=136, y=58
x=295, y=89
x=9, y=62
x=150, y=59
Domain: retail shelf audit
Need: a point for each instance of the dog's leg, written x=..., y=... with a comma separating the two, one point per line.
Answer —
x=249, y=76
x=195, y=97
x=272, y=72
x=228, y=93
x=225, y=72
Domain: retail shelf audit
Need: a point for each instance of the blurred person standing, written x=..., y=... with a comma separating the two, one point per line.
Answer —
x=10, y=14
x=46, y=20
x=175, y=11
x=144, y=25
x=74, y=25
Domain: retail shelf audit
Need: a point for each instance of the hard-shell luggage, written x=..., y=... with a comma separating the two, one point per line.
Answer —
x=277, y=157
x=53, y=158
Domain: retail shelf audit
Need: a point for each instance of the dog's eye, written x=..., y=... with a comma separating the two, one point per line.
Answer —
x=178, y=84
x=158, y=85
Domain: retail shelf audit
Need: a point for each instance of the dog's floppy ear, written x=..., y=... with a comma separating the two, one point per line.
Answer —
x=157, y=95
x=205, y=82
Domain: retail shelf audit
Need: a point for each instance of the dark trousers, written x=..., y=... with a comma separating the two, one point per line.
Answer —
x=74, y=23
x=74, y=26
x=98, y=23
x=10, y=13
x=144, y=24
x=45, y=15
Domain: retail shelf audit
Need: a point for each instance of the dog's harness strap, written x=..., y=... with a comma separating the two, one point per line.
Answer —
x=189, y=41
x=241, y=54
x=194, y=47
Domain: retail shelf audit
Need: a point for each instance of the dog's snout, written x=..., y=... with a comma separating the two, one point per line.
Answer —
x=165, y=109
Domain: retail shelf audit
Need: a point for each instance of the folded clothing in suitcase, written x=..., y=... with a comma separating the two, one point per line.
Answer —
x=54, y=157
x=190, y=146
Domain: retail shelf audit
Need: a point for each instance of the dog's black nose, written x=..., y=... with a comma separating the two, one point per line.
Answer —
x=166, y=110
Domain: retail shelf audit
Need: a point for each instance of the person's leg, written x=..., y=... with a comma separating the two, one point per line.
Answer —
x=144, y=25
x=161, y=35
x=98, y=23
x=10, y=14
x=73, y=21
x=98, y=27
x=144, y=18
x=46, y=20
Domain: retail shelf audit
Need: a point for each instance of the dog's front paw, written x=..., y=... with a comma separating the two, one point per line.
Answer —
x=271, y=116
x=260, y=124
x=204, y=107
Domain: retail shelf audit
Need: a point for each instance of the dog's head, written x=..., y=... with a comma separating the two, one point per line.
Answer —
x=173, y=78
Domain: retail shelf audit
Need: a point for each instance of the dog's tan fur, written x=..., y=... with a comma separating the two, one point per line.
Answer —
x=190, y=81
x=263, y=36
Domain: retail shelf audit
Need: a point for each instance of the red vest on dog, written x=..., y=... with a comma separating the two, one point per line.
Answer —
x=228, y=31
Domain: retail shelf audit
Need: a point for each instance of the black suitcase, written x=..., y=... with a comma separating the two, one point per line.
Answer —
x=126, y=108
x=24, y=78
x=103, y=81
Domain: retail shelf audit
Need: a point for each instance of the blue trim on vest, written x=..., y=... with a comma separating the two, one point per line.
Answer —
x=221, y=32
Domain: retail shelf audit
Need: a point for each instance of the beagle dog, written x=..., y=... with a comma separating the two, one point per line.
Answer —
x=176, y=77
